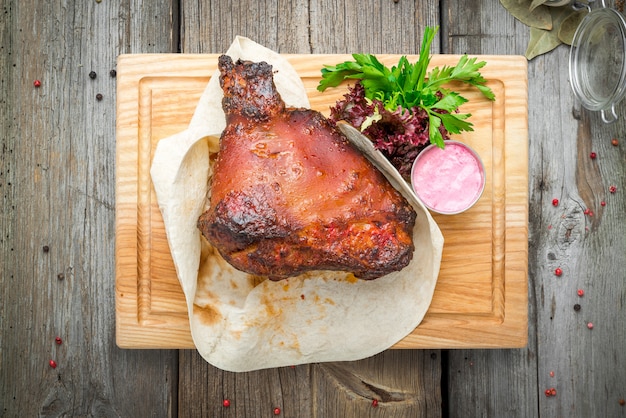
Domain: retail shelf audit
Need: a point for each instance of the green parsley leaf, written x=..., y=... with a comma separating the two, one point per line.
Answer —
x=411, y=86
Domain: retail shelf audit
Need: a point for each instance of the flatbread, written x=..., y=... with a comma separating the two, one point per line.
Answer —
x=241, y=322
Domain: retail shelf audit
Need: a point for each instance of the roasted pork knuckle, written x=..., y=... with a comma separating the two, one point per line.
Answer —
x=290, y=194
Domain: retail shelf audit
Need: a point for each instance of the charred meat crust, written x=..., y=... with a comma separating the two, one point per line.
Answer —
x=290, y=193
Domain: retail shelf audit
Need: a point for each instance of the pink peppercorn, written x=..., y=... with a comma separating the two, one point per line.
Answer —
x=276, y=411
x=580, y=292
x=58, y=340
x=590, y=325
x=555, y=202
x=37, y=83
x=558, y=271
x=226, y=403
x=374, y=403
x=53, y=364
x=612, y=189
x=593, y=155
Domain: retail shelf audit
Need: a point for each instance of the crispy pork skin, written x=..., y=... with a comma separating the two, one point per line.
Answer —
x=290, y=194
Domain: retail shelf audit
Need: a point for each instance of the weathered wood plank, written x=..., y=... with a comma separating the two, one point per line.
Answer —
x=282, y=25
x=392, y=27
x=204, y=388
x=323, y=390
x=590, y=248
x=57, y=182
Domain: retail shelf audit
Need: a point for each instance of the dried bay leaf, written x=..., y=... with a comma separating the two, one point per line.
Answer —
x=568, y=26
x=541, y=41
x=549, y=25
x=535, y=4
x=539, y=17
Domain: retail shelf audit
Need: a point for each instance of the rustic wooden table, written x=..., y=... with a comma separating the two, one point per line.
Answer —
x=57, y=265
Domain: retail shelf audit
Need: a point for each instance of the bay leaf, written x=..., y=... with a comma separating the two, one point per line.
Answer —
x=536, y=3
x=541, y=41
x=539, y=17
x=568, y=26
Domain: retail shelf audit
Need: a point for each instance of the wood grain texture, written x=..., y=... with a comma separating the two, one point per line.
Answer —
x=377, y=27
x=590, y=249
x=352, y=387
x=481, y=294
x=337, y=389
x=57, y=187
x=251, y=394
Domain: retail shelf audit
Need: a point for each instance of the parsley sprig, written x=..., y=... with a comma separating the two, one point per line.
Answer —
x=411, y=86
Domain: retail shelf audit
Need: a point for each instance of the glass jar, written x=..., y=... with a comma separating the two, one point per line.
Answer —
x=597, y=64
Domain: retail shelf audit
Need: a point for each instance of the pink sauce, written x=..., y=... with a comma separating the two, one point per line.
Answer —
x=448, y=180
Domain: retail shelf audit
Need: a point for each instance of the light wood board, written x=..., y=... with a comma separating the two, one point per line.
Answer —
x=481, y=298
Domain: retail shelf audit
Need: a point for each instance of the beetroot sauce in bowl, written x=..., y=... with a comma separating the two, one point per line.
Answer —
x=450, y=180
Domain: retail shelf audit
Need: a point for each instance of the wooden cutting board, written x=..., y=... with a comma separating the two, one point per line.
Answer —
x=481, y=297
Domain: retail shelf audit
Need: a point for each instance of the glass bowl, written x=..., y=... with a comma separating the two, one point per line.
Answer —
x=448, y=181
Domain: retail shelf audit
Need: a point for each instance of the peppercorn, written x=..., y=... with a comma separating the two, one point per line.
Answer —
x=113, y=73
x=226, y=403
x=555, y=202
x=614, y=142
x=99, y=97
x=53, y=364
x=276, y=411
x=58, y=340
x=577, y=307
x=37, y=83
x=60, y=276
x=558, y=271
x=46, y=248
x=593, y=155
x=92, y=75
x=374, y=403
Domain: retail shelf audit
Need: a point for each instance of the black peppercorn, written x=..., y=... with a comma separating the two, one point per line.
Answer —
x=92, y=74
x=577, y=307
x=99, y=97
x=113, y=73
x=60, y=276
x=46, y=248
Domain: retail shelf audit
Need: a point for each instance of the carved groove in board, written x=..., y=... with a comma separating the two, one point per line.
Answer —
x=498, y=204
x=150, y=87
x=143, y=201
